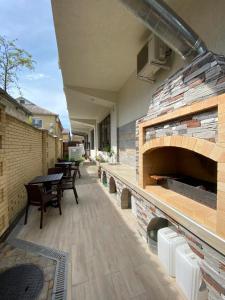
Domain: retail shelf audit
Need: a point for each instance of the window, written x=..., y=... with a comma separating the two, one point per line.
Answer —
x=37, y=123
x=92, y=140
x=105, y=134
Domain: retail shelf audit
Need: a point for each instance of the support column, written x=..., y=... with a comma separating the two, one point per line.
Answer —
x=56, y=149
x=114, y=131
x=45, y=151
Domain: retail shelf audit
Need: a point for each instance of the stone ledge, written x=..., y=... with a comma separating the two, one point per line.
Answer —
x=126, y=175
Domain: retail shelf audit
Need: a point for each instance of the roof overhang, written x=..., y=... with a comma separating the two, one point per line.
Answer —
x=98, y=42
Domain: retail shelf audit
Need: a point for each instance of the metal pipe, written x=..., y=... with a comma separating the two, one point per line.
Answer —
x=168, y=26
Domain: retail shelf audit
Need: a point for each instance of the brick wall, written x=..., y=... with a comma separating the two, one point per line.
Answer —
x=199, y=80
x=23, y=161
x=51, y=152
x=25, y=152
x=202, y=125
x=3, y=190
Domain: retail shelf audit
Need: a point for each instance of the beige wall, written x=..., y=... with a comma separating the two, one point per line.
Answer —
x=206, y=17
x=51, y=152
x=14, y=110
x=23, y=161
x=46, y=122
x=25, y=152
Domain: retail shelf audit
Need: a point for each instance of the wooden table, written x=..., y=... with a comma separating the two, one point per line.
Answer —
x=63, y=163
x=66, y=165
x=48, y=180
x=53, y=178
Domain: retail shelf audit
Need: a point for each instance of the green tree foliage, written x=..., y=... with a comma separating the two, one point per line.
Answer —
x=12, y=61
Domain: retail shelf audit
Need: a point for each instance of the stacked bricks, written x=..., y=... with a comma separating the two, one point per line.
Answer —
x=3, y=190
x=25, y=152
x=201, y=79
x=44, y=152
x=51, y=151
x=23, y=156
x=202, y=125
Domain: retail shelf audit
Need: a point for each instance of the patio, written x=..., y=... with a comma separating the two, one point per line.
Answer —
x=108, y=259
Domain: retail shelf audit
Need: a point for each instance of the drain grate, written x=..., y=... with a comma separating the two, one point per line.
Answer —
x=61, y=257
x=23, y=282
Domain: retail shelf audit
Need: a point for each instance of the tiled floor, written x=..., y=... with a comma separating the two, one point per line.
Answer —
x=108, y=259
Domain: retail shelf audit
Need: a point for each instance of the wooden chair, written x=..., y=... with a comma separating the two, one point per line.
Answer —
x=65, y=169
x=37, y=197
x=69, y=184
x=76, y=167
x=55, y=170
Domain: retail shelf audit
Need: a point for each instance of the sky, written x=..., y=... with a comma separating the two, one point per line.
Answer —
x=31, y=22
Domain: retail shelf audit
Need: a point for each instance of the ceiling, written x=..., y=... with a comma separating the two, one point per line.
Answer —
x=98, y=41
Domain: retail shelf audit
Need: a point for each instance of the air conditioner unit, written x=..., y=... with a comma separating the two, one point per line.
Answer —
x=152, y=58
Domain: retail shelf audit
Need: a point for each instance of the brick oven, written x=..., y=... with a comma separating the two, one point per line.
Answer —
x=180, y=166
x=181, y=160
x=182, y=142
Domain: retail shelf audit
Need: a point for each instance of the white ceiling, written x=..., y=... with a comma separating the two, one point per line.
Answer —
x=98, y=41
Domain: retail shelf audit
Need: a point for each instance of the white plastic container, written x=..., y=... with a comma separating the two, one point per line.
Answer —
x=168, y=241
x=188, y=275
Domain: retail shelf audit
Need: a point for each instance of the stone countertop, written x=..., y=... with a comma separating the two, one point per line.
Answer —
x=202, y=223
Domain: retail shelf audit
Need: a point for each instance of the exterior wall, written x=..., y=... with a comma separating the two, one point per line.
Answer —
x=126, y=143
x=47, y=121
x=135, y=95
x=4, y=219
x=23, y=145
x=14, y=110
x=66, y=137
x=25, y=152
x=51, y=152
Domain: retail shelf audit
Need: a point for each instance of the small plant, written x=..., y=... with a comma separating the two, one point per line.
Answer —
x=107, y=148
x=99, y=158
x=111, y=153
x=66, y=157
x=77, y=162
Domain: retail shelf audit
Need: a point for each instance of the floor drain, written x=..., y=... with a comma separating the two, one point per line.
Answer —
x=22, y=282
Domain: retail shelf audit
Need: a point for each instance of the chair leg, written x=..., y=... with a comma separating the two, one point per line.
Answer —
x=59, y=204
x=41, y=219
x=26, y=214
x=75, y=194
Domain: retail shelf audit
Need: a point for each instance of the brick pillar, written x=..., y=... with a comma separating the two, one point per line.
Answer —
x=4, y=218
x=57, y=155
x=44, y=151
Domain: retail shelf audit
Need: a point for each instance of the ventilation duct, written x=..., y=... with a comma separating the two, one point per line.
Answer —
x=168, y=26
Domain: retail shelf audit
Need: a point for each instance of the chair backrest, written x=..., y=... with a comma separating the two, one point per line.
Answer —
x=34, y=194
x=61, y=160
x=64, y=168
x=55, y=170
x=74, y=177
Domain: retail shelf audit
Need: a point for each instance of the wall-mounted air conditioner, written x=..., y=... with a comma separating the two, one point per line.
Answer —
x=152, y=57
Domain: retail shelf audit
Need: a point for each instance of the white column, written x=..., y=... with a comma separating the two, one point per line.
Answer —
x=114, y=129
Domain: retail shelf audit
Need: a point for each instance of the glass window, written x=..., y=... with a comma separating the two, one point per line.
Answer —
x=105, y=134
x=92, y=140
x=37, y=123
